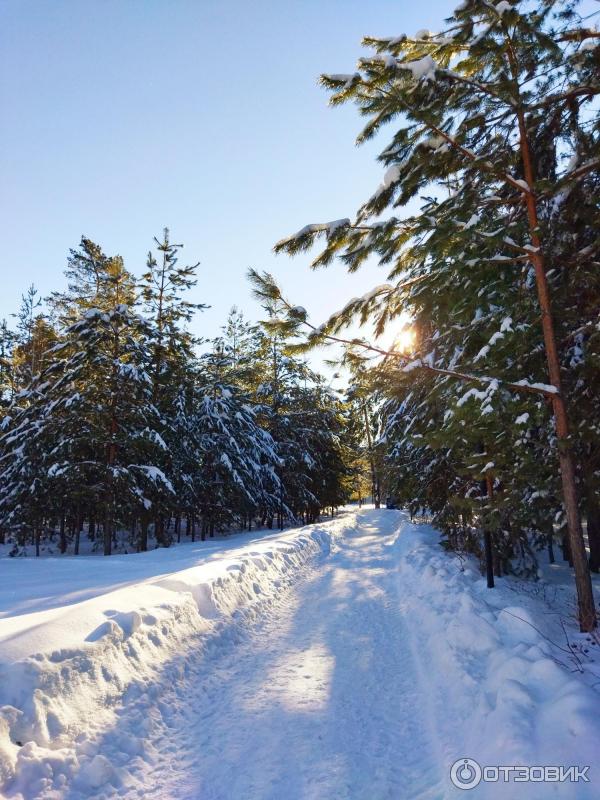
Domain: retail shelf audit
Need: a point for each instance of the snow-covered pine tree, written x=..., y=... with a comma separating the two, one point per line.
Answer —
x=305, y=419
x=163, y=290
x=25, y=493
x=237, y=473
x=106, y=449
x=473, y=104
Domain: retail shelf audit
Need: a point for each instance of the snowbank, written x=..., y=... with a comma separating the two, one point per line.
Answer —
x=65, y=669
x=506, y=674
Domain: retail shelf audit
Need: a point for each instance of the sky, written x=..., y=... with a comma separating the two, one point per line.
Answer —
x=121, y=117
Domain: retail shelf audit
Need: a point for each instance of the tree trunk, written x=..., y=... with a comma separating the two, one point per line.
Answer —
x=108, y=523
x=489, y=558
x=593, y=529
x=550, y=540
x=487, y=538
x=143, y=534
x=374, y=484
x=159, y=531
x=63, y=538
x=583, y=582
x=566, y=549
x=78, y=526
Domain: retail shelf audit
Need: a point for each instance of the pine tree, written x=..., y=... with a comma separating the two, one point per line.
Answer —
x=237, y=471
x=33, y=338
x=7, y=375
x=95, y=280
x=103, y=422
x=482, y=109
x=163, y=288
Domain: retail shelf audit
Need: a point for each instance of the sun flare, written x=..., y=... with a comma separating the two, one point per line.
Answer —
x=405, y=340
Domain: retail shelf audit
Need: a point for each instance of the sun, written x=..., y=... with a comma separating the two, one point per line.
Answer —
x=405, y=340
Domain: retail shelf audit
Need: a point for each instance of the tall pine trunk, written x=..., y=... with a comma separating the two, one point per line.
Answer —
x=583, y=582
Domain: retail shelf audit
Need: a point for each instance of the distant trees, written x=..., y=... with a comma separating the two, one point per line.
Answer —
x=113, y=423
x=491, y=423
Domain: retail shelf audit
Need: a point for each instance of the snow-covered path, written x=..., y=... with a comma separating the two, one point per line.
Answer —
x=349, y=659
x=320, y=700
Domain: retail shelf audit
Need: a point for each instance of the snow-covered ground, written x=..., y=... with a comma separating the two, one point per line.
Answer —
x=350, y=659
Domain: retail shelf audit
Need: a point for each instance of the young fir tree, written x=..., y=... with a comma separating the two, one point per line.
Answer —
x=481, y=112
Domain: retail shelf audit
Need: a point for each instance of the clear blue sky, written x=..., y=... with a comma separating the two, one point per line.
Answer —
x=122, y=116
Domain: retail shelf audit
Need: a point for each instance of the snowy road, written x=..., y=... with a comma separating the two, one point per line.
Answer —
x=321, y=700
x=353, y=659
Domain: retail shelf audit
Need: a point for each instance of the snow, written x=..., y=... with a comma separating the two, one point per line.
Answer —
x=411, y=365
x=299, y=311
x=386, y=59
x=421, y=69
x=353, y=658
x=543, y=387
x=508, y=692
x=69, y=657
x=348, y=79
x=318, y=227
x=589, y=44
x=523, y=184
x=390, y=176
x=503, y=7
x=474, y=219
x=434, y=142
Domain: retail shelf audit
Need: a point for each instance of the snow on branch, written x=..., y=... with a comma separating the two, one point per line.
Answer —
x=305, y=237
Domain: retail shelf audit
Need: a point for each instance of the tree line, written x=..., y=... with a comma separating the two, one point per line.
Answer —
x=114, y=418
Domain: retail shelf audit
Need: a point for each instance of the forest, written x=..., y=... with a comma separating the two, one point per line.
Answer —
x=116, y=420
x=486, y=418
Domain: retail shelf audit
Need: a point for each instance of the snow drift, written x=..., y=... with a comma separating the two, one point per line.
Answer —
x=64, y=670
x=506, y=675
